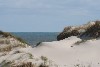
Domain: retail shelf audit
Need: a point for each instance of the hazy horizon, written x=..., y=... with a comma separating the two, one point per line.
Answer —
x=46, y=15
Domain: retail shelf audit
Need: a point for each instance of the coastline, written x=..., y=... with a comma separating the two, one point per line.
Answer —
x=69, y=52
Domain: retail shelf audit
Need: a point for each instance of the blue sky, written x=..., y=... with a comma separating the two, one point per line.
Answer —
x=46, y=15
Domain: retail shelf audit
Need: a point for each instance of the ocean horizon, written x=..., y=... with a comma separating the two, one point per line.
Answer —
x=32, y=38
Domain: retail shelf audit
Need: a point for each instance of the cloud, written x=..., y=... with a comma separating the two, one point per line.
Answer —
x=25, y=3
x=47, y=3
x=54, y=12
x=50, y=7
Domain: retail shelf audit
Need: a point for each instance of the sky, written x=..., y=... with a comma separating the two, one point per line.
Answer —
x=46, y=15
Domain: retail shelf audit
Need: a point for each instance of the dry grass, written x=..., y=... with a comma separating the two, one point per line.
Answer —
x=7, y=34
x=28, y=64
x=6, y=48
x=79, y=42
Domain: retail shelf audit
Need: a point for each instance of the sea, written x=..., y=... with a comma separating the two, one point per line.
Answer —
x=33, y=38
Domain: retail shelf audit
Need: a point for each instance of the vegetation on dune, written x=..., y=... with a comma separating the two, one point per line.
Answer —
x=93, y=31
x=44, y=59
x=87, y=31
x=7, y=34
x=79, y=42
